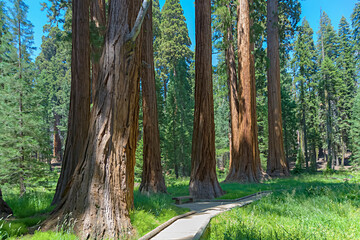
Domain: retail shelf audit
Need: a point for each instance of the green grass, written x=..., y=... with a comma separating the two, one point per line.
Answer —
x=306, y=194
x=151, y=211
x=314, y=207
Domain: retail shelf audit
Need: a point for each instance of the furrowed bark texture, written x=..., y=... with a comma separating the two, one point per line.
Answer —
x=79, y=113
x=203, y=180
x=98, y=18
x=276, y=162
x=152, y=178
x=101, y=193
x=247, y=167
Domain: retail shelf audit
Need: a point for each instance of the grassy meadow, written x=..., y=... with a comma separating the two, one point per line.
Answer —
x=307, y=206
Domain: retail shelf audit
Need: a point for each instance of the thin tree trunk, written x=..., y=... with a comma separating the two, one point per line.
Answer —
x=57, y=146
x=247, y=168
x=343, y=151
x=101, y=194
x=276, y=164
x=79, y=113
x=152, y=178
x=203, y=179
x=98, y=18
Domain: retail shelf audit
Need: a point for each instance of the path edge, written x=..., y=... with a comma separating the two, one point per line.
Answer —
x=155, y=231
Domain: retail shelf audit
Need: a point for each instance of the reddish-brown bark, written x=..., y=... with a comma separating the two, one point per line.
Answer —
x=101, y=194
x=152, y=178
x=203, y=180
x=233, y=96
x=246, y=168
x=79, y=113
x=276, y=163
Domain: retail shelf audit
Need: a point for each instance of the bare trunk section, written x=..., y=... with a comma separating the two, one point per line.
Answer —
x=101, y=194
x=79, y=113
x=203, y=180
x=98, y=18
x=233, y=96
x=247, y=168
x=276, y=162
x=152, y=178
x=5, y=210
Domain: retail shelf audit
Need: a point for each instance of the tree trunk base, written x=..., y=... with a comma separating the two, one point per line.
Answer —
x=5, y=210
x=241, y=177
x=205, y=189
x=149, y=188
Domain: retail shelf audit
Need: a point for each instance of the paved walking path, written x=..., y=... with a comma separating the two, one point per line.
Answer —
x=193, y=226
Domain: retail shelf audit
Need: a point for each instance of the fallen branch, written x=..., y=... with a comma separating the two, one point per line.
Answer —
x=138, y=23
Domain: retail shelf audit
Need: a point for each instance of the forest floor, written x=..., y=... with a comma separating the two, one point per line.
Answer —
x=150, y=212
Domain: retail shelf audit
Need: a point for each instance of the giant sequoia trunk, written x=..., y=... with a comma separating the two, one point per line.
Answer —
x=5, y=210
x=101, y=194
x=276, y=163
x=203, y=180
x=98, y=20
x=152, y=179
x=233, y=96
x=246, y=168
x=79, y=113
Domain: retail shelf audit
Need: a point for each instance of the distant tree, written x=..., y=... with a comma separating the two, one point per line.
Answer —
x=355, y=130
x=172, y=59
x=355, y=22
x=304, y=62
x=53, y=83
x=203, y=180
x=21, y=138
x=346, y=89
x=328, y=52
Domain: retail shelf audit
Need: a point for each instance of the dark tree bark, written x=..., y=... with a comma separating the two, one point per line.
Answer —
x=203, y=180
x=276, y=162
x=246, y=168
x=79, y=113
x=101, y=194
x=152, y=178
x=5, y=210
x=98, y=19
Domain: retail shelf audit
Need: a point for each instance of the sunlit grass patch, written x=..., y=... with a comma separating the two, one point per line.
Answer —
x=315, y=212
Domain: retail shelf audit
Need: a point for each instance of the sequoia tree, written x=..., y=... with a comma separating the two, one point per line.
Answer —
x=203, y=180
x=152, y=179
x=246, y=168
x=79, y=112
x=101, y=194
x=276, y=162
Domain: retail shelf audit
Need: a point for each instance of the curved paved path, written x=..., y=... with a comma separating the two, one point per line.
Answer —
x=194, y=225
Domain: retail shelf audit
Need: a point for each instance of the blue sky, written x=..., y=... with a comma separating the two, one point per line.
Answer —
x=310, y=9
